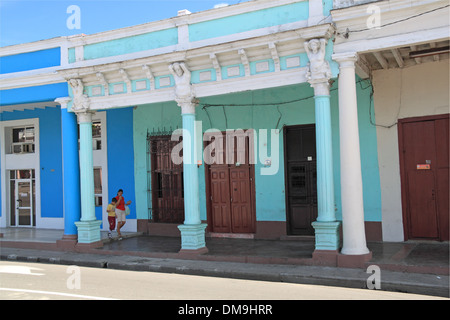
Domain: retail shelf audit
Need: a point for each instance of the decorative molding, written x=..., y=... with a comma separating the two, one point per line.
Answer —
x=319, y=71
x=103, y=81
x=216, y=65
x=80, y=100
x=149, y=74
x=275, y=56
x=125, y=78
x=184, y=92
x=245, y=62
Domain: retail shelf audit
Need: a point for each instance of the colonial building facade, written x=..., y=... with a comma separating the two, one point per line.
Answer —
x=265, y=119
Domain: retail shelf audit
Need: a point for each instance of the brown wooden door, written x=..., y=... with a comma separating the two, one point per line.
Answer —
x=241, y=208
x=424, y=160
x=300, y=178
x=220, y=199
x=166, y=181
x=230, y=187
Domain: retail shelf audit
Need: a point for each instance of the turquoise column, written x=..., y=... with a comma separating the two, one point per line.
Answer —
x=326, y=227
x=324, y=151
x=71, y=173
x=192, y=231
x=88, y=226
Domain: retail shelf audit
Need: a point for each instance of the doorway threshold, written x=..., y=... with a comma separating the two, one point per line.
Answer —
x=231, y=235
x=297, y=237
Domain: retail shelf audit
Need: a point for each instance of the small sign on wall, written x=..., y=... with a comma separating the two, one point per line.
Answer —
x=423, y=167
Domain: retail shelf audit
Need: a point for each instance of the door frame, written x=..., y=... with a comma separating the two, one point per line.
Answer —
x=20, y=162
x=403, y=173
x=286, y=167
x=208, y=193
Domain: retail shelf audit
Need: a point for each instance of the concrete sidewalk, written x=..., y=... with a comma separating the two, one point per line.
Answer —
x=420, y=267
x=428, y=284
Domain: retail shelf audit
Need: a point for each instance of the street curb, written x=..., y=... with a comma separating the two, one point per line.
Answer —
x=425, y=284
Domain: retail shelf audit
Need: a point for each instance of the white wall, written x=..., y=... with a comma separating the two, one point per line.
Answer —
x=415, y=91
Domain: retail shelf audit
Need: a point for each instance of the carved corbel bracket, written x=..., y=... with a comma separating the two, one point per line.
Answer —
x=80, y=101
x=184, y=92
x=319, y=71
x=103, y=81
x=126, y=79
x=245, y=62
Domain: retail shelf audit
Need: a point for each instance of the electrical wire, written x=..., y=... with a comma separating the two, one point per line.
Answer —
x=345, y=35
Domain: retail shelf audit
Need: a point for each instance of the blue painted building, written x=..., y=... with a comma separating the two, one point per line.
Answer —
x=280, y=119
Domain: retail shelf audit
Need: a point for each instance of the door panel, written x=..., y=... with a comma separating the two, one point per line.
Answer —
x=422, y=205
x=220, y=199
x=424, y=144
x=241, y=212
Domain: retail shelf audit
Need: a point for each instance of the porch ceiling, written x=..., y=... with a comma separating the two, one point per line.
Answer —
x=401, y=57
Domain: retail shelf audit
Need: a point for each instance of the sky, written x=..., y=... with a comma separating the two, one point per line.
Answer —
x=24, y=21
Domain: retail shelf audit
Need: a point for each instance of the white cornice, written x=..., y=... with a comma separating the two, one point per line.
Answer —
x=166, y=56
x=262, y=81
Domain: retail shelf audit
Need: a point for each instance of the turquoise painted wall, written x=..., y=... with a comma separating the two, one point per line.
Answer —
x=146, y=41
x=249, y=21
x=270, y=196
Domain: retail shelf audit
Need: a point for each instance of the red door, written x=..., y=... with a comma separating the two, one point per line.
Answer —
x=424, y=146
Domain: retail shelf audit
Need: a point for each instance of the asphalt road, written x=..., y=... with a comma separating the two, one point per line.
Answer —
x=32, y=281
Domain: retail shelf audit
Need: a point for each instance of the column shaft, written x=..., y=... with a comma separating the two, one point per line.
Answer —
x=324, y=151
x=71, y=171
x=190, y=172
x=354, y=237
x=88, y=226
x=193, y=230
x=87, y=172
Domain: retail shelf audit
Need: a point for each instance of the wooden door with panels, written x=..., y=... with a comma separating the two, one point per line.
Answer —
x=166, y=182
x=424, y=168
x=230, y=185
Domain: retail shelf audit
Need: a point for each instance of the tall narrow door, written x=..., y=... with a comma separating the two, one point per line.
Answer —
x=424, y=144
x=24, y=211
x=166, y=181
x=231, y=187
x=300, y=179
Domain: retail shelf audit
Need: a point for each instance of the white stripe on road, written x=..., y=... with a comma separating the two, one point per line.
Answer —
x=57, y=294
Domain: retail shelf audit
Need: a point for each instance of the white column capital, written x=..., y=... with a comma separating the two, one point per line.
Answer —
x=84, y=116
x=321, y=86
x=63, y=101
x=345, y=59
x=187, y=107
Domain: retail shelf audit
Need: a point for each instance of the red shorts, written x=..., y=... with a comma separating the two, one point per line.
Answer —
x=112, y=223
